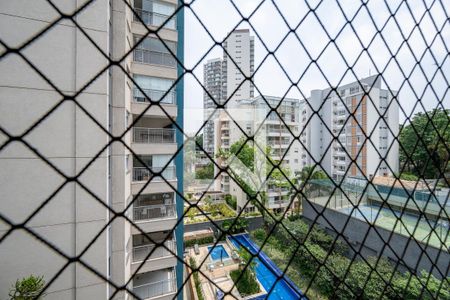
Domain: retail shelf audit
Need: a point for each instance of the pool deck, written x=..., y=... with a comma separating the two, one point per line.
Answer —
x=219, y=273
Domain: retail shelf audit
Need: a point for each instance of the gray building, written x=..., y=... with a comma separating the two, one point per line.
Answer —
x=212, y=81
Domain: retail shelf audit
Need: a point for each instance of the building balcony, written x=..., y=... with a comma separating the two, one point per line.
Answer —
x=152, y=218
x=145, y=95
x=154, y=19
x=277, y=144
x=340, y=163
x=339, y=171
x=274, y=132
x=277, y=191
x=154, y=141
x=277, y=203
x=161, y=284
x=152, y=212
x=144, y=174
x=340, y=116
x=146, y=56
x=160, y=258
x=141, y=102
x=143, y=135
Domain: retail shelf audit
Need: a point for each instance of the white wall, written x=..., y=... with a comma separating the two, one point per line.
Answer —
x=67, y=138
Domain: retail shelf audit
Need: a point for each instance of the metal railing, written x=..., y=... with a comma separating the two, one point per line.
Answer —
x=154, y=57
x=154, y=19
x=155, y=289
x=154, y=95
x=143, y=174
x=144, y=135
x=149, y=212
x=141, y=252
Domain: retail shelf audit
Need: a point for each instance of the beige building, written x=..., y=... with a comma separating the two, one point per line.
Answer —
x=74, y=214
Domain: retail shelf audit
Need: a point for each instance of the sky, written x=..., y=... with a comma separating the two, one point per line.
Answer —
x=270, y=30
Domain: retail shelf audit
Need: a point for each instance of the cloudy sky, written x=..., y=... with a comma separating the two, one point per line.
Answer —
x=269, y=29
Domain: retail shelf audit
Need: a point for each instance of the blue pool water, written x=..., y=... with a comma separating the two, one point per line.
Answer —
x=218, y=252
x=267, y=272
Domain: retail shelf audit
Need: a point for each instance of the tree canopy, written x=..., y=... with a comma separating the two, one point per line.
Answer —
x=424, y=144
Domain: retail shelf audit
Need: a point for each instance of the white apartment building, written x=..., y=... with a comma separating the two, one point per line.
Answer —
x=334, y=137
x=212, y=82
x=238, y=63
x=69, y=139
x=252, y=116
x=224, y=79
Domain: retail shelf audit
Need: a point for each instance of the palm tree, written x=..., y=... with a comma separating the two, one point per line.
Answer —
x=302, y=183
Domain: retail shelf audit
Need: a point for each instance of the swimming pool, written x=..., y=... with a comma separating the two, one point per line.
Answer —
x=267, y=272
x=218, y=252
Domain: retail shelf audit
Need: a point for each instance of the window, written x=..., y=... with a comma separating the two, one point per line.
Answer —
x=154, y=88
x=155, y=13
x=154, y=51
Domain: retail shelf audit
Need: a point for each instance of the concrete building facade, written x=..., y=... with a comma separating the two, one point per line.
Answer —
x=238, y=63
x=251, y=117
x=77, y=213
x=212, y=82
x=356, y=122
x=225, y=79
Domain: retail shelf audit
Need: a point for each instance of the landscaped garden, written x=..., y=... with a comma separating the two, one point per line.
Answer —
x=245, y=279
x=322, y=270
x=215, y=211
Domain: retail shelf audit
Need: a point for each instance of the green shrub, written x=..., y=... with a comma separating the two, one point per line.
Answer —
x=259, y=234
x=231, y=201
x=200, y=241
x=27, y=288
x=198, y=286
x=240, y=225
x=247, y=283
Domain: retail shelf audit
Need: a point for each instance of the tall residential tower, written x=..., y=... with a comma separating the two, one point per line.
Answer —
x=212, y=80
x=225, y=79
x=238, y=63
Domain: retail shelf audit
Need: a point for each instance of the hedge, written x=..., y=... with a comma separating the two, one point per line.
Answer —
x=200, y=241
x=197, y=282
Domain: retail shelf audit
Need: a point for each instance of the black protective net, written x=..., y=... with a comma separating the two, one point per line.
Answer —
x=365, y=215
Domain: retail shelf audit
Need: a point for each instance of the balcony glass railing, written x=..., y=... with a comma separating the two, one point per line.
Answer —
x=143, y=174
x=149, y=212
x=155, y=289
x=154, y=95
x=154, y=19
x=144, y=135
x=140, y=253
x=153, y=57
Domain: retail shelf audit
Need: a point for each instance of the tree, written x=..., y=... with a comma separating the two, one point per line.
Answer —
x=302, y=182
x=27, y=288
x=206, y=172
x=199, y=142
x=430, y=155
x=240, y=224
x=246, y=153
